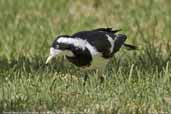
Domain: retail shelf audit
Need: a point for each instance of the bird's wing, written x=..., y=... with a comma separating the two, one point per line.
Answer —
x=81, y=58
x=119, y=42
x=103, y=39
x=97, y=40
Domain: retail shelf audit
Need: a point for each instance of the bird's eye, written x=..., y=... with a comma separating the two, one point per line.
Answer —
x=56, y=46
x=77, y=48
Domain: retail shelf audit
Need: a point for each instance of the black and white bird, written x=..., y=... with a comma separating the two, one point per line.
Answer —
x=89, y=48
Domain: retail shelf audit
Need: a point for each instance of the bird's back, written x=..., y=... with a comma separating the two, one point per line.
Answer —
x=102, y=39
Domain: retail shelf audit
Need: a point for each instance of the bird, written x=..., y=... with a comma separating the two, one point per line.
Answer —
x=89, y=49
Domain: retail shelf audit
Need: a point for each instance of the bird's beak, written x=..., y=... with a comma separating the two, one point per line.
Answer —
x=53, y=53
x=49, y=58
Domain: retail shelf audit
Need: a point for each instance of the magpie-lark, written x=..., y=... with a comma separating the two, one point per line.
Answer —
x=89, y=48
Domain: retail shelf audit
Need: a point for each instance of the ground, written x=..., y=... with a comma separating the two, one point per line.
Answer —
x=135, y=81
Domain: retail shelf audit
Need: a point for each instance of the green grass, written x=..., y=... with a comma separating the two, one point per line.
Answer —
x=135, y=81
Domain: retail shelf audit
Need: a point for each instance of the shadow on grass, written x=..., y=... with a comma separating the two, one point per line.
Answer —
x=32, y=64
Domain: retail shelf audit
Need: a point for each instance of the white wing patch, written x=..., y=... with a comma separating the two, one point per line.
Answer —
x=77, y=42
x=92, y=49
x=111, y=42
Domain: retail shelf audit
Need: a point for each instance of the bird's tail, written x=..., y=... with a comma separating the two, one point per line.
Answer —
x=130, y=47
x=120, y=39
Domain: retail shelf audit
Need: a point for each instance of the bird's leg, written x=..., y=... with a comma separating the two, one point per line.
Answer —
x=83, y=74
x=85, y=78
x=100, y=74
x=101, y=79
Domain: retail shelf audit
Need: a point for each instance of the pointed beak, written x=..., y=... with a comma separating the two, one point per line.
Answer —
x=49, y=58
x=53, y=53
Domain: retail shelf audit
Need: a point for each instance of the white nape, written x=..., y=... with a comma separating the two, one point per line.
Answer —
x=80, y=43
x=77, y=42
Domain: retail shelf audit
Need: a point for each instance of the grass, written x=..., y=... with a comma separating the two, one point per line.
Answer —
x=135, y=82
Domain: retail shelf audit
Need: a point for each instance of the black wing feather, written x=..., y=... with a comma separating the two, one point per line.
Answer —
x=98, y=39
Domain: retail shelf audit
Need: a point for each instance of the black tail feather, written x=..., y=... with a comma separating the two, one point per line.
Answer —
x=130, y=47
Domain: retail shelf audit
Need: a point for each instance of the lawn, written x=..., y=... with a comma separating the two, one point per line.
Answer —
x=135, y=81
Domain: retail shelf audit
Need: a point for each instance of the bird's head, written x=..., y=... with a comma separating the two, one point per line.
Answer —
x=55, y=48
